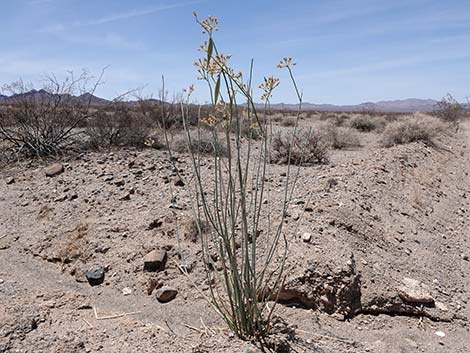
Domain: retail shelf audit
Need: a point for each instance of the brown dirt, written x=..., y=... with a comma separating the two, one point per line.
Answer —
x=375, y=215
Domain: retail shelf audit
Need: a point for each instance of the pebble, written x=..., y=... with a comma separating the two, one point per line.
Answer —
x=126, y=291
x=54, y=169
x=166, y=294
x=440, y=334
x=95, y=277
x=10, y=181
x=306, y=237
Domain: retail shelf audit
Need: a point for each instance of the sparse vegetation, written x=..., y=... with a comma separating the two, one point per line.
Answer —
x=119, y=126
x=339, y=137
x=201, y=143
x=301, y=147
x=450, y=111
x=43, y=123
x=288, y=121
x=367, y=123
x=417, y=128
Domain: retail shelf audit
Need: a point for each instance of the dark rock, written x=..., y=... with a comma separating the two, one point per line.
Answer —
x=155, y=261
x=179, y=182
x=54, y=169
x=95, y=277
x=157, y=223
x=166, y=294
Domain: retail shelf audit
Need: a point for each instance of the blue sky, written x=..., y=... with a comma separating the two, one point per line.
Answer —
x=348, y=51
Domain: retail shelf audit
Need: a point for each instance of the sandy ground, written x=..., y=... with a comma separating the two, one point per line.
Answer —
x=376, y=216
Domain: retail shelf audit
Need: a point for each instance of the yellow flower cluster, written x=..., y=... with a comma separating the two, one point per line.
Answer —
x=286, y=62
x=269, y=84
x=208, y=24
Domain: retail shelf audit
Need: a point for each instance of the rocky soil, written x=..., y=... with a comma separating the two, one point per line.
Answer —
x=378, y=260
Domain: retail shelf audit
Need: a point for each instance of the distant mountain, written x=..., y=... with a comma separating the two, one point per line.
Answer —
x=392, y=106
x=44, y=96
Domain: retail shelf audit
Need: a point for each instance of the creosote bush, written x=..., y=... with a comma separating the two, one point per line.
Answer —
x=367, y=123
x=299, y=147
x=449, y=110
x=201, y=143
x=289, y=121
x=339, y=137
x=45, y=122
x=118, y=126
x=416, y=128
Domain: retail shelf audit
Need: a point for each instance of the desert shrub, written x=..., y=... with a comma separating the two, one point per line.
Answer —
x=277, y=117
x=201, y=143
x=415, y=128
x=250, y=128
x=334, y=118
x=44, y=122
x=301, y=147
x=289, y=121
x=228, y=193
x=449, y=110
x=119, y=126
x=367, y=123
x=339, y=137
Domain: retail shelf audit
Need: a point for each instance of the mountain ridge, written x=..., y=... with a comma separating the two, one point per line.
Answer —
x=408, y=105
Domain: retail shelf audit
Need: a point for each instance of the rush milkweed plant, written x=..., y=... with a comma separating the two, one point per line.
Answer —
x=230, y=191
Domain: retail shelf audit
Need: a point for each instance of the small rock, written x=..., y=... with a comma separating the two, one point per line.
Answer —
x=179, y=182
x=440, y=334
x=306, y=237
x=166, y=294
x=413, y=291
x=155, y=260
x=125, y=197
x=126, y=291
x=465, y=257
x=157, y=223
x=54, y=169
x=10, y=181
x=119, y=182
x=1, y=281
x=95, y=277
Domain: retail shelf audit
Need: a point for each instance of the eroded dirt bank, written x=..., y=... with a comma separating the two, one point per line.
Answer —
x=379, y=261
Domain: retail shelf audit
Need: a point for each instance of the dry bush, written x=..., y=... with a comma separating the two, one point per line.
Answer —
x=250, y=129
x=277, y=117
x=367, y=123
x=304, y=147
x=449, y=110
x=336, y=119
x=44, y=122
x=191, y=228
x=202, y=143
x=418, y=127
x=339, y=137
x=289, y=121
x=119, y=126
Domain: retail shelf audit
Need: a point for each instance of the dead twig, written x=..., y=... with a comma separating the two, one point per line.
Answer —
x=113, y=316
